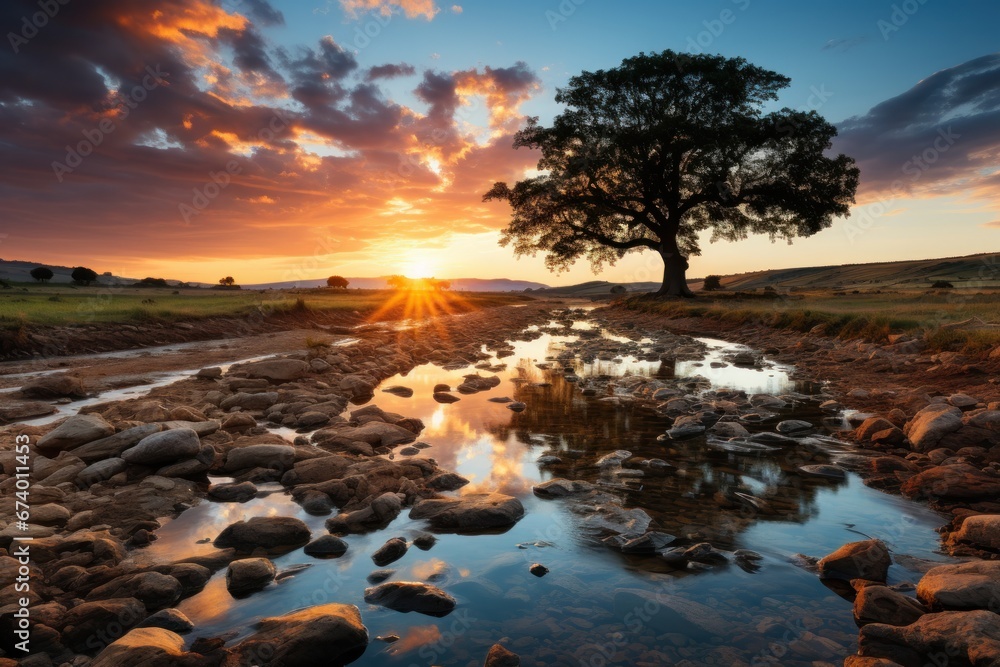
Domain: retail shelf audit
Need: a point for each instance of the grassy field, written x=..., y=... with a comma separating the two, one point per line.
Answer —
x=868, y=316
x=56, y=305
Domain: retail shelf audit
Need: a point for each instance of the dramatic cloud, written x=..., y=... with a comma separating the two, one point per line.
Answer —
x=134, y=131
x=412, y=8
x=941, y=137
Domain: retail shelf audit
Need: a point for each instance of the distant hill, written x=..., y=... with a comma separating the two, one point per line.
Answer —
x=972, y=271
x=459, y=284
x=20, y=271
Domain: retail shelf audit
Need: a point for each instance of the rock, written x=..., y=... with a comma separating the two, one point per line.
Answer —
x=870, y=427
x=868, y=559
x=793, y=426
x=329, y=634
x=561, y=488
x=277, y=370
x=538, y=570
x=245, y=401
x=958, y=481
x=982, y=531
x=249, y=574
x=169, y=619
x=959, y=638
x=501, y=657
x=75, y=431
x=210, y=373
x=963, y=402
x=50, y=514
x=972, y=585
x=880, y=604
x=375, y=433
x=83, y=622
x=404, y=392
x=685, y=431
x=148, y=647
x=327, y=546
x=824, y=470
x=164, y=447
x=443, y=397
x=378, y=514
x=153, y=589
x=15, y=411
x=378, y=576
x=517, y=406
x=394, y=549
x=233, y=492
x=859, y=661
x=273, y=533
x=446, y=481
x=56, y=385
x=275, y=457
x=890, y=437
x=729, y=430
x=407, y=596
x=613, y=459
x=471, y=513
x=114, y=445
x=99, y=472
x=931, y=424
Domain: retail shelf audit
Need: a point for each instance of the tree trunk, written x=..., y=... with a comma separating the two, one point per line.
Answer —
x=675, y=267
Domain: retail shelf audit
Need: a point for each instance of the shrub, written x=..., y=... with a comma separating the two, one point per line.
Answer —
x=712, y=282
x=83, y=276
x=942, y=284
x=338, y=282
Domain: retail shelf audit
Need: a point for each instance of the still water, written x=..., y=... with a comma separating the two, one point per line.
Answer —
x=582, y=612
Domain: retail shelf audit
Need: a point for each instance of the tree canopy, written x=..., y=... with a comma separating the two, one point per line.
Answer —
x=663, y=148
x=228, y=281
x=83, y=275
x=338, y=282
x=42, y=274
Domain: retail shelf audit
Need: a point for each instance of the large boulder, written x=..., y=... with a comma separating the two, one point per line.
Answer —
x=246, y=401
x=871, y=426
x=271, y=533
x=57, y=385
x=153, y=589
x=14, y=411
x=982, y=531
x=82, y=623
x=375, y=433
x=75, y=431
x=500, y=656
x=956, y=481
x=957, y=637
x=407, y=596
x=931, y=424
x=973, y=585
x=164, y=447
x=868, y=559
x=149, y=647
x=277, y=370
x=378, y=514
x=880, y=604
x=471, y=513
x=329, y=634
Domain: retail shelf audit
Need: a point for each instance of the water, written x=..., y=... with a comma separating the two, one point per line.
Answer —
x=581, y=613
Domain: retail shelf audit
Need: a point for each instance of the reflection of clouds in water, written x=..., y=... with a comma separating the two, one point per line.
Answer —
x=425, y=569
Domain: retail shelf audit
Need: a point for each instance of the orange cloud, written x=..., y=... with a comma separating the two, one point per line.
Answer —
x=412, y=8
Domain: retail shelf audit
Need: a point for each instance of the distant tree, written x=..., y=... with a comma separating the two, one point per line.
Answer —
x=942, y=284
x=338, y=282
x=399, y=282
x=712, y=282
x=618, y=289
x=152, y=282
x=228, y=281
x=83, y=276
x=42, y=274
x=653, y=153
x=439, y=284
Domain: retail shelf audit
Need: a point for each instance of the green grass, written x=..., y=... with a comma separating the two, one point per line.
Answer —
x=55, y=305
x=871, y=317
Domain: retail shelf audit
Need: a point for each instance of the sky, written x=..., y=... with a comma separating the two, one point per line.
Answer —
x=270, y=141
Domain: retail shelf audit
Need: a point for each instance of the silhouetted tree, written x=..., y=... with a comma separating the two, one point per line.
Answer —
x=338, y=282
x=83, y=275
x=228, y=281
x=399, y=282
x=439, y=284
x=711, y=283
x=654, y=152
x=942, y=284
x=42, y=274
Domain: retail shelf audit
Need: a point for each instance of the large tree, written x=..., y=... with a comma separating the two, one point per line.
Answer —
x=42, y=274
x=651, y=154
x=338, y=282
x=83, y=276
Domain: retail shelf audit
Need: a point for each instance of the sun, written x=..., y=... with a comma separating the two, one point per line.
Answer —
x=418, y=268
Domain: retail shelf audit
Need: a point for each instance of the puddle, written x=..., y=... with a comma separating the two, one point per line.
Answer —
x=572, y=616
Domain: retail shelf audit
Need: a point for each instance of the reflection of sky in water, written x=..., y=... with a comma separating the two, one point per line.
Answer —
x=488, y=574
x=773, y=379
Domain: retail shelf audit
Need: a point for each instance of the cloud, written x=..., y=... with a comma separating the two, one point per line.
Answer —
x=844, y=44
x=940, y=137
x=457, y=9
x=993, y=225
x=272, y=147
x=411, y=8
x=389, y=71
